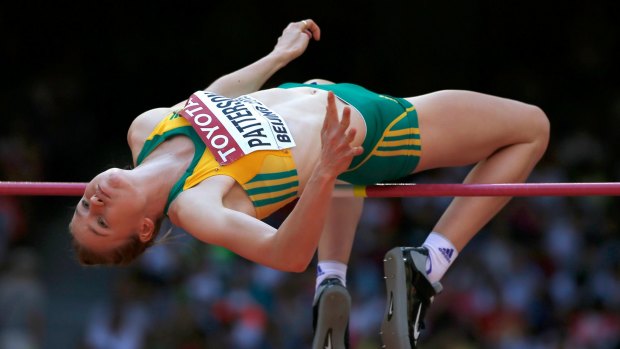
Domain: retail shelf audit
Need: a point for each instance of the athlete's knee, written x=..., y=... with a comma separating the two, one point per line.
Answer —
x=539, y=127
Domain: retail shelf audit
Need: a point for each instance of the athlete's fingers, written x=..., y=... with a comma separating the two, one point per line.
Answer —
x=310, y=27
x=350, y=135
x=331, y=112
x=346, y=118
x=358, y=150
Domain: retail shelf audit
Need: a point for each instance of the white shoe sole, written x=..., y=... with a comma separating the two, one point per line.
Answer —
x=333, y=317
x=394, y=331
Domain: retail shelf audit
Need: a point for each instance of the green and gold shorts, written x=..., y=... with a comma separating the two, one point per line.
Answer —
x=392, y=146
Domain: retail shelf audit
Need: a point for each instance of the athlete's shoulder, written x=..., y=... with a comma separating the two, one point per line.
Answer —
x=142, y=125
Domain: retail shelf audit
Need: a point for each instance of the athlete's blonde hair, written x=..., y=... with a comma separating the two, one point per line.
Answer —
x=120, y=256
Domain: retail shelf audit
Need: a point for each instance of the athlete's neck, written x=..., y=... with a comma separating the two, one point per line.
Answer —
x=158, y=173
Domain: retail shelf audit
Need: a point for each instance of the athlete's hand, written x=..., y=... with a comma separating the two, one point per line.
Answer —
x=337, y=152
x=295, y=38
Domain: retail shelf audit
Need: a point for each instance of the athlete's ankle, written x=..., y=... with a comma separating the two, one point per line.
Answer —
x=331, y=269
x=441, y=255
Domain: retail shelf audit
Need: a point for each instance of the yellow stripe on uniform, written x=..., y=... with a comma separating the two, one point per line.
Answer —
x=271, y=194
x=385, y=133
x=406, y=131
x=402, y=152
x=402, y=142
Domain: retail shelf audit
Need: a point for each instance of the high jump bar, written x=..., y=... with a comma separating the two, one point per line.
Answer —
x=390, y=190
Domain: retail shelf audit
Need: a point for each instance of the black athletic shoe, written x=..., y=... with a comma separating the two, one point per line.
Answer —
x=330, y=315
x=409, y=294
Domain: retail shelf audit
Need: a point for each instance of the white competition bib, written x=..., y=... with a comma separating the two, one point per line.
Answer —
x=234, y=127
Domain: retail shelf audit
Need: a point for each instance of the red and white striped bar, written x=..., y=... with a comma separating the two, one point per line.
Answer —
x=372, y=191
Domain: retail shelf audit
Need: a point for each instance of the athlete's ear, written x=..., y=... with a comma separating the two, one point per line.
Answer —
x=146, y=230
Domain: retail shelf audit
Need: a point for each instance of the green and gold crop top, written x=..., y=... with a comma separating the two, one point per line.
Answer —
x=269, y=177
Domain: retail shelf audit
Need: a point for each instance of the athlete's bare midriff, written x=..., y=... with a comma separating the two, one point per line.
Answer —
x=303, y=109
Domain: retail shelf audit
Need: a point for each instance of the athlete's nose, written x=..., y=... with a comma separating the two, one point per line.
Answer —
x=96, y=201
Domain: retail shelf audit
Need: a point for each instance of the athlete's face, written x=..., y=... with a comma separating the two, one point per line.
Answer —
x=109, y=212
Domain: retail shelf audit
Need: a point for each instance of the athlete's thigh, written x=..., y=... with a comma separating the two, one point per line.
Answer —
x=459, y=128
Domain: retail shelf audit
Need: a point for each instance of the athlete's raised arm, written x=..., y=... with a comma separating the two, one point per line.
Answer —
x=291, y=44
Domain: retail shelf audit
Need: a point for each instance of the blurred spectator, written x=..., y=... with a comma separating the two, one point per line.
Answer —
x=12, y=223
x=22, y=302
x=121, y=323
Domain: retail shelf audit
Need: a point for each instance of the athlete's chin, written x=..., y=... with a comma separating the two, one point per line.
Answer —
x=115, y=178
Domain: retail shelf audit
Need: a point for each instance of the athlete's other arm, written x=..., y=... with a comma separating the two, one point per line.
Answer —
x=291, y=44
x=292, y=246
